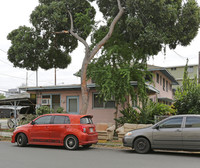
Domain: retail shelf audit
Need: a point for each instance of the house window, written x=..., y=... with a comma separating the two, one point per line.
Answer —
x=163, y=84
x=170, y=87
x=46, y=100
x=161, y=80
x=190, y=69
x=173, y=69
x=167, y=86
x=99, y=103
x=157, y=77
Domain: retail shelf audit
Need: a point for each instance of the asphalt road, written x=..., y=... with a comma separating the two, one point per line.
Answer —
x=12, y=156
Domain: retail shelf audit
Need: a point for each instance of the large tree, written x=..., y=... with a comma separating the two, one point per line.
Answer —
x=133, y=30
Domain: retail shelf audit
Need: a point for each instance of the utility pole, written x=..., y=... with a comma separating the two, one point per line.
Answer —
x=55, y=75
x=27, y=79
x=198, y=75
x=37, y=78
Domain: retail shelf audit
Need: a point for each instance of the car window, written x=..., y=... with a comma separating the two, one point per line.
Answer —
x=86, y=120
x=43, y=120
x=61, y=120
x=192, y=122
x=172, y=123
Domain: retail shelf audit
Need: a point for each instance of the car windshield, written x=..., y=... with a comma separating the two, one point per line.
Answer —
x=86, y=120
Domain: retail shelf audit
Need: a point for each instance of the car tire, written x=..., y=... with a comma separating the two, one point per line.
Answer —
x=142, y=145
x=22, y=140
x=71, y=142
x=87, y=146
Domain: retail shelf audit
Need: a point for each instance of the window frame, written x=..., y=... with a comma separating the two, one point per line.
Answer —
x=162, y=123
x=188, y=117
x=50, y=121
x=103, y=103
x=157, y=78
x=65, y=120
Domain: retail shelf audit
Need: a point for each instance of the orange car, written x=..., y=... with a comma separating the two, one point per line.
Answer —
x=57, y=129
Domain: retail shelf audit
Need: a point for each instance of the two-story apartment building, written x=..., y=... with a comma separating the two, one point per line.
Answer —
x=162, y=81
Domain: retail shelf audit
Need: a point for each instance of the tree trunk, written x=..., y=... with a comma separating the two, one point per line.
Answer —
x=90, y=55
x=84, y=89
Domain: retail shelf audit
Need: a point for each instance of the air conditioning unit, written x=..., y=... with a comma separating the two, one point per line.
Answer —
x=46, y=101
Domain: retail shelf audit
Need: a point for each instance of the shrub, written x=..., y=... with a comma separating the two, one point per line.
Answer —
x=144, y=115
x=60, y=110
x=43, y=110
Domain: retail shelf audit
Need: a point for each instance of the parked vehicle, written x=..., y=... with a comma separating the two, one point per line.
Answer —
x=57, y=129
x=181, y=132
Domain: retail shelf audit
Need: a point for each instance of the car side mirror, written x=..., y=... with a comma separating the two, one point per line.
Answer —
x=32, y=122
x=157, y=127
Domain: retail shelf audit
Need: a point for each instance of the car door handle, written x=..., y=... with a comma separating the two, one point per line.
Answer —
x=178, y=130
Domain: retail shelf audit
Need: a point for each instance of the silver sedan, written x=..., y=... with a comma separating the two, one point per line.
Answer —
x=181, y=132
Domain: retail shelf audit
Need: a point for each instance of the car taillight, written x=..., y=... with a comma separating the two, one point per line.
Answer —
x=83, y=129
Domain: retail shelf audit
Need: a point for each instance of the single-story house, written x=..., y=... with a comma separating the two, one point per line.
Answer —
x=69, y=96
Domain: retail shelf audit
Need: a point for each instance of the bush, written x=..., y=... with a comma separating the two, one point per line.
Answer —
x=130, y=115
x=60, y=110
x=27, y=119
x=43, y=110
x=144, y=115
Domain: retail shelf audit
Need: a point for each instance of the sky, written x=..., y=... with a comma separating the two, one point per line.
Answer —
x=15, y=13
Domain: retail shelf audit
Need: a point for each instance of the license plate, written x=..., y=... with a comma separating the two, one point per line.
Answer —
x=91, y=130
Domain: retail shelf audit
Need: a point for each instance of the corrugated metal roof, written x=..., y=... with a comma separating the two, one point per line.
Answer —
x=71, y=87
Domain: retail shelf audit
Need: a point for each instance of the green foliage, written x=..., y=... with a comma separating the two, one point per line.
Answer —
x=27, y=119
x=43, y=110
x=114, y=77
x=148, y=25
x=2, y=96
x=187, y=96
x=60, y=110
x=144, y=115
x=143, y=30
x=40, y=46
x=129, y=115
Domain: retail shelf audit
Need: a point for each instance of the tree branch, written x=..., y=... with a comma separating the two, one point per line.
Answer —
x=111, y=29
x=76, y=35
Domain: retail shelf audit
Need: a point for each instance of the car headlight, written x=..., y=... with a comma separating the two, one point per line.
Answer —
x=128, y=134
x=17, y=127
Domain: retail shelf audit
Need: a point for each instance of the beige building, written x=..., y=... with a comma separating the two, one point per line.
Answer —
x=178, y=72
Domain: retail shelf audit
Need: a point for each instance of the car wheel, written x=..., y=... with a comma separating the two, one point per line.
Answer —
x=22, y=140
x=87, y=146
x=141, y=145
x=71, y=142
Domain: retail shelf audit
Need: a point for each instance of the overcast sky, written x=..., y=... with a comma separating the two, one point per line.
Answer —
x=14, y=13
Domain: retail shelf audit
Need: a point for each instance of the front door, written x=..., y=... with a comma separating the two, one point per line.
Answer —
x=73, y=104
x=168, y=134
x=40, y=133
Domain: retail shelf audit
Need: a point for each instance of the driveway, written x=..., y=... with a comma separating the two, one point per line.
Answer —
x=12, y=156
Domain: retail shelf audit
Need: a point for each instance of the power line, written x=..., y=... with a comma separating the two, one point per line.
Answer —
x=3, y=51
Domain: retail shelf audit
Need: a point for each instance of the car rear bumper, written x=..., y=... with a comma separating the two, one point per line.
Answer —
x=88, y=139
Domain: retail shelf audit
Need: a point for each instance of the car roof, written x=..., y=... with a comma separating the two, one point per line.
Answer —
x=185, y=115
x=70, y=115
